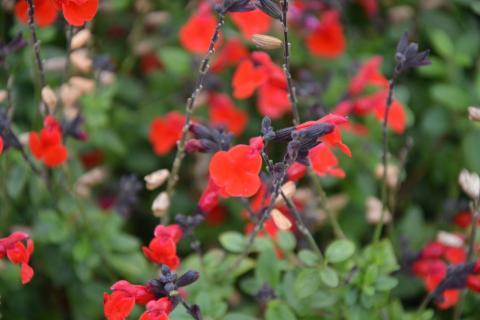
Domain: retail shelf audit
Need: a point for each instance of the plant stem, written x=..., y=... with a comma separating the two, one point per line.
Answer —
x=337, y=229
x=301, y=225
x=204, y=67
x=36, y=50
x=378, y=229
x=292, y=95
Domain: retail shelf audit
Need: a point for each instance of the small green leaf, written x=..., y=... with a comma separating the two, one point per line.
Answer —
x=233, y=241
x=442, y=43
x=340, y=250
x=329, y=276
x=308, y=257
x=267, y=270
x=279, y=310
x=307, y=282
x=386, y=283
x=286, y=240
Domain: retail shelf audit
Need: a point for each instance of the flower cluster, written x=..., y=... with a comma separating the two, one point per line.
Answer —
x=18, y=253
x=163, y=247
x=47, y=145
x=76, y=12
x=160, y=296
x=444, y=269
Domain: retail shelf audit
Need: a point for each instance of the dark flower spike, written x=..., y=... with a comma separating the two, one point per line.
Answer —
x=208, y=140
x=188, y=278
x=127, y=195
x=235, y=6
x=270, y=7
x=408, y=56
x=6, y=48
x=189, y=223
x=265, y=294
x=456, y=278
x=267, y=129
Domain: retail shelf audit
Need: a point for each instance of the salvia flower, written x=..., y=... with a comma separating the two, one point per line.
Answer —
x=157, y=310
x=408, y=56
x=47, y=145
x=165, y=132
x=207, y=139
x=327, y=40
x=163, y=248
x=237, y=170
x=13, y=248
x=45, y=12
x=196, y=34
x=251, y=22
x=222, y=111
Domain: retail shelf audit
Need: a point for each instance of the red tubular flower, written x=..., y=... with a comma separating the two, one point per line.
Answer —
x=210, y=197
x=368, y=75
x=237, y=171
x=149, y=63
x=327, y=40
x=1, y=145
x=324, y=162
x=47, y=145
x=222, y=111
x=231, y=54
x=251, y=22
x=140, y=293
x=369, y=6
x=17, y=253
x=44, y=15
x=158, y=310
x=259, y=72
x=166, y=131
x=78, y=12
x=163, y=247
x=196, y=34
x=296, y=171
x=463, y=219
x=118, y=305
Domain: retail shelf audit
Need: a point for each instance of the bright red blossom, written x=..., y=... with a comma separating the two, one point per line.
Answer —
x=324, y=162
x=1, y=145
x=44, y=15
x=237, y=170
x=166, y=131
x=158, y=309
x=222, y=111
x=327, y=40
x=259, y=72
x=163, y=247
x=47, y=145
x=251, y=22
x=18, y=253
x=231, y=54
x=196, y=34
x=125, y=295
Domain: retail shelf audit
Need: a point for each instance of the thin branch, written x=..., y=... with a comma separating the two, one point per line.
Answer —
x=204, y=67
x=292, y=95
x=36, y=50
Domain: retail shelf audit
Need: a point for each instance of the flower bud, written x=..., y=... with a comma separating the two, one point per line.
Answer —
x=280, y=220
x=392, y=174
x=160, y=205
x=80, y=39
x=3, y=95
x=84, y=85
x=50, y=98
x=81, y=60
x=157, y=18
x=474, y=113
x=156, y=179
x=288, y=189
x=188, y=278
x=449, y=239
x=374, y=211
x=470, y=183
x=266, y=42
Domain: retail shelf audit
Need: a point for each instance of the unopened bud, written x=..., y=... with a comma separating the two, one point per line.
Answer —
x=474, y=113
x=156, y=179
x=81, y=60
x=374, y=211
x=3, y=95
x=392, y=174
x=160, y=205
x=288, y=189
x=282, y=222
x=157, y=18
x=80, y=39
x=470, y=183
x=50, y=98
x=188, y=278
x=83, y=84
x=69, y=95
x=266, y=42
x=449, y=239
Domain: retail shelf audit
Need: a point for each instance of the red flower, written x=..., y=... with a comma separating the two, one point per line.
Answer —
x=237, y=170
x=216, y=216
x=44, y=15
x=163, y=248
x=210, y=197
x=149, y=62
x=251, y=22
x=296, y=171
x=140, y=293
x=231, y=54
x=118, y=305
x=166, y=131
x=324, y=162
x=47, y=145
x=327, y=40
x=1, y=145
x=369, y=6
x=463, y=219
x=158, y=310
x=368, y=75
x=78, y=12
x=222, y=111
x=17, y=253
x=259, y=72
x=196, y=34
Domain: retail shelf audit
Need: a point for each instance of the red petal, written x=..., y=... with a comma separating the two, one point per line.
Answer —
x=77, y=14
x=26, y=273
x=55, y=156
x=251, y=22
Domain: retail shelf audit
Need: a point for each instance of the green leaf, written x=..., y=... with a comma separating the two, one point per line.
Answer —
x=386, y=283
x=451, y=96
x=176, y=60
x=233, y=241
x=17, y=176
x=278, y=310
x=308, y=257
x=470, y=150
x=267, y=270
x=307, y=282
x=442, y=43
x=329, y=276
x=340, y=250
x=286, y=240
